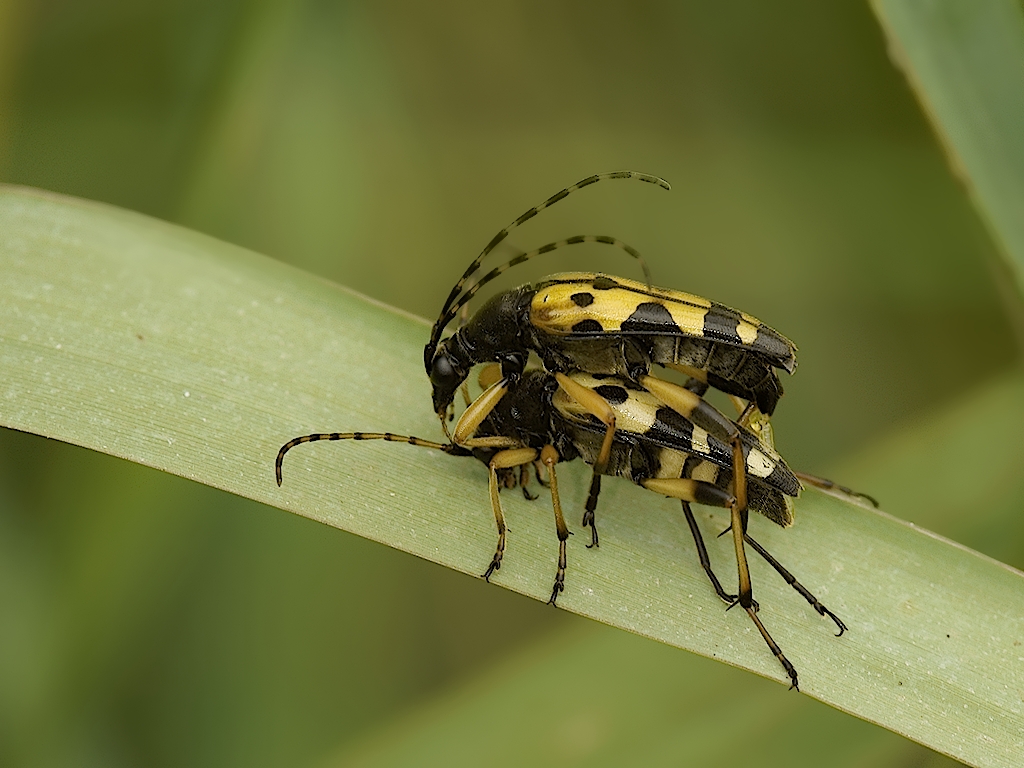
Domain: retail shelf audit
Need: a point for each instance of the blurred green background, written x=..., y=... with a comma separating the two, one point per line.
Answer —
x=152, y=621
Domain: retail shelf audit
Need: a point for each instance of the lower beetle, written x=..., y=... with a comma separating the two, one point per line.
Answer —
x=658, y=435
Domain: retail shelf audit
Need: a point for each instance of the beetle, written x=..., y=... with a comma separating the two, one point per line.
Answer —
x=603, y=324
x=656, y=434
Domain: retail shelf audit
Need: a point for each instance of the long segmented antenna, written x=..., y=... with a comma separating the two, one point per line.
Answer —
x=449, y=448
x=576, y=240
x=827, y=485
x=435, y=333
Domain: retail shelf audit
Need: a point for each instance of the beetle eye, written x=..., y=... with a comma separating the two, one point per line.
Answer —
x=442, y=372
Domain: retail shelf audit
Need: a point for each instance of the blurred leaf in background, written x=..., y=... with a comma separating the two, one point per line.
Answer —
x=153, y=621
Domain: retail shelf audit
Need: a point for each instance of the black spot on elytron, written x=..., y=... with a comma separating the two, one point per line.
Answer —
x=614, y=395
x=589, y=326
x=603, y=283
x=650, y=317
x=582, y=299
x=720, y=324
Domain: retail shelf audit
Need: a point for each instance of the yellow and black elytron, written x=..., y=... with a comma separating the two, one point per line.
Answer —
x=658, y=435
x=604, y=324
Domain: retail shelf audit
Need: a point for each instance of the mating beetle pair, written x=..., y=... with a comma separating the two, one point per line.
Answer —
x=598, y=337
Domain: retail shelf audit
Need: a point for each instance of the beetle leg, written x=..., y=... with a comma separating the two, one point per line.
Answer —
x=599, y=407
x=739, y=533
x=739, y=522
x=700, y=492
x=537, y=468
x=692, y=406
x=697, y=379
x=702, y=554
x=503, y=460
x=688, y=404
x=464, y=389
x=590, y=508
x=524, y=478
x=774, y=647
x=704, y=415
x=697, y=386
x=790, y=579
x=474, y=416
x=549, y=457
x=700, y=374
x=744, y=410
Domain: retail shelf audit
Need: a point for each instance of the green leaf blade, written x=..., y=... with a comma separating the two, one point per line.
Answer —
x=146, y=341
